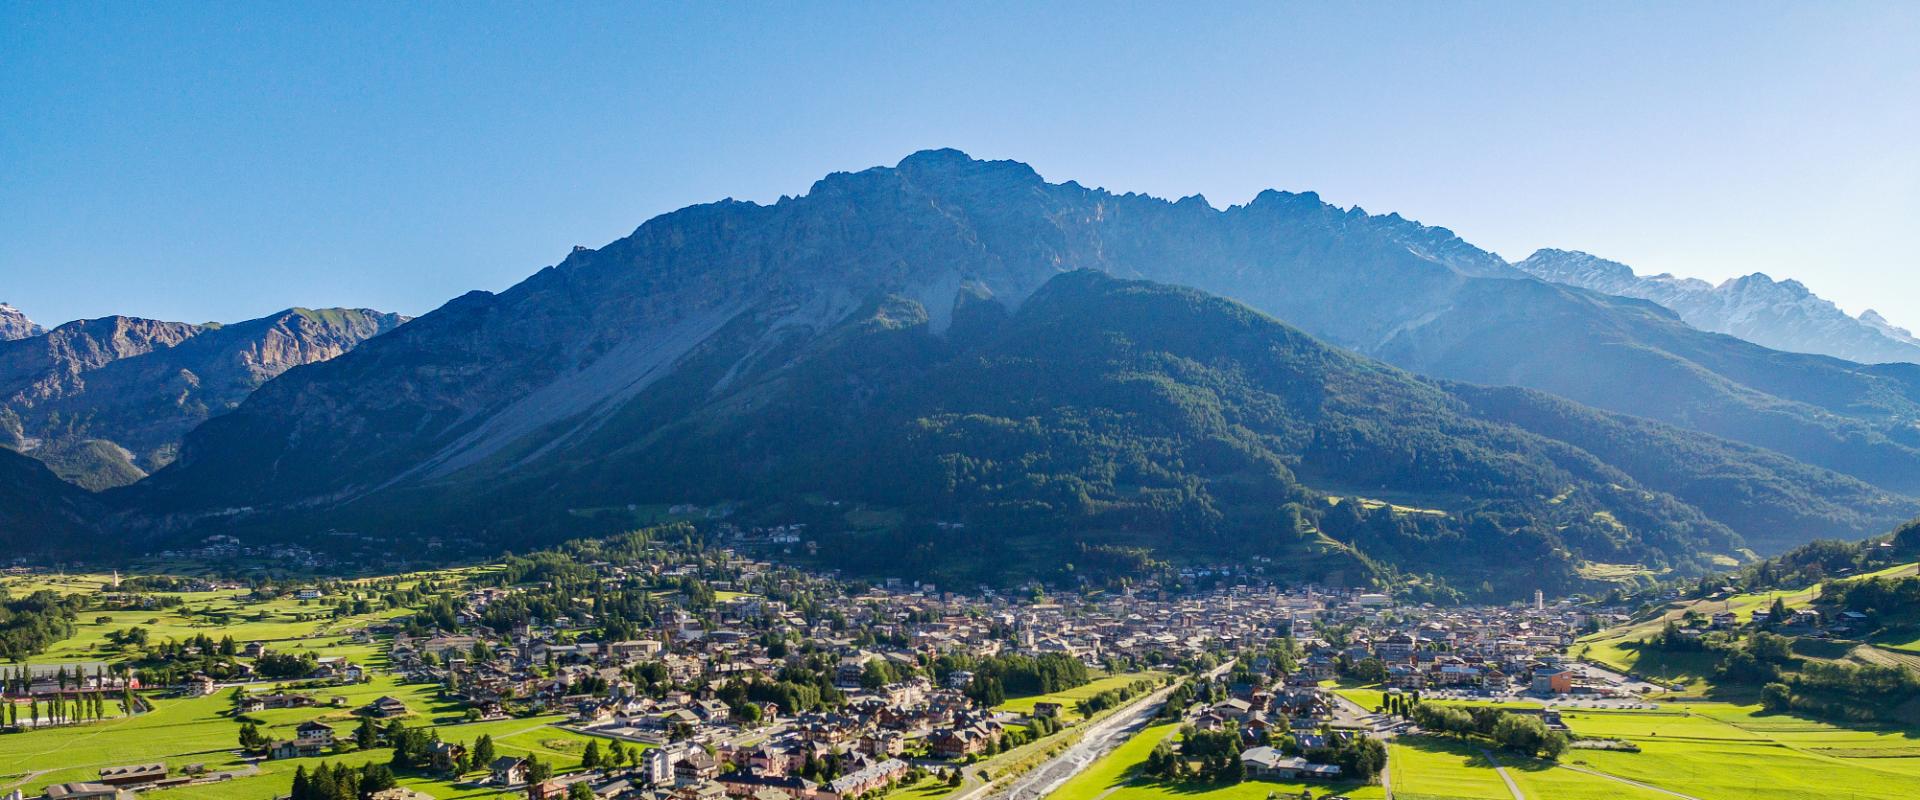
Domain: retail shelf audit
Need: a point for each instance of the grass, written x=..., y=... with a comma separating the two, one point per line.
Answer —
x=1704, y=749
x=1728, y=750
x=1116, y=769
x=1598, y=571
x=1616, y=648
x=1372, y=505
x=277, y=623
x=1425, y=766
x=1717, y=748
x=199, y=731
x=1115, y=777
x=1024, y=705
x=929, y=788
x=180, y=732
x=1544, y=781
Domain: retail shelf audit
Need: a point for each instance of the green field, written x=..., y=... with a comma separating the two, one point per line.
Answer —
x=1426, y=767
x=1703, y=749
x=1616, y=648
x=1024, y=705
x=1725, y=750
x=1113, y=778
x=201, y=731
x=182, y=732
x=284, y=624
x=927, y=789
x=1598, y=571
x=1539, y=780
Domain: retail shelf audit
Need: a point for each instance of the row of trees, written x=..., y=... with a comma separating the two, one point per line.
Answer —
x=19, y=681
x=341, y=782
x=1520, y=733
x=997, y=678
x=1111, y=698
x=58, y=710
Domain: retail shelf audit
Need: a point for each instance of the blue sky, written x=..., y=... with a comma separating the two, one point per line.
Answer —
x=222, y=161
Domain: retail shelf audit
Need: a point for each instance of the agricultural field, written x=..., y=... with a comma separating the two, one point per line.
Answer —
x=1372, y=504
x=1598, y=571
x=1424, y=767
x=284, y=624
x=1114, y=778
x=1614, y=648
x=1701, y=749
x=931, y=788
x=1024, y=705
x=200, y=730
x=204, y=730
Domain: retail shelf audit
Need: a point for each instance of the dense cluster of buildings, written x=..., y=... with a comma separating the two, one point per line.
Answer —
x=701, y=747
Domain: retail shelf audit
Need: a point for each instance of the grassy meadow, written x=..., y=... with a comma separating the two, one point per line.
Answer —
x=1698, y=748
x=1024, y=705
x=204, y=731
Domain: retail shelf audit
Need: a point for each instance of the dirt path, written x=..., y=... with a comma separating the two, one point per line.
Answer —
x=1511, y=786
x=24, y=780
x=1636, y=784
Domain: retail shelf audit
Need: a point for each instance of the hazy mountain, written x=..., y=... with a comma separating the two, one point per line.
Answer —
x=487, y=374
x=476, y=418
x=104, y=401
x=1782, y=315
x=15, y=325
x=1102, y=423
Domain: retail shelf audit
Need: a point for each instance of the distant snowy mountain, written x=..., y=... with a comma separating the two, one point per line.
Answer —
x=1783, y=315
x=15, y=325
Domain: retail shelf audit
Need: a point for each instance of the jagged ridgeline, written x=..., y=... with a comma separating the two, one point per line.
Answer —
x=910, y=360
x=1107, y=424
x=105, y=401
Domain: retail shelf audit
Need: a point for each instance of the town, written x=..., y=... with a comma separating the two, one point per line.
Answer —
x=701, y=673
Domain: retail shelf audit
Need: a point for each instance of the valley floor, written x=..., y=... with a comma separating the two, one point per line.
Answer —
x=1701, y=750
x=203, y=731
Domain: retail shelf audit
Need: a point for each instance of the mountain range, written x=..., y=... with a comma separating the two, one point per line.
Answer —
x=854, y=349
x=1783, y=315
x=105, y=401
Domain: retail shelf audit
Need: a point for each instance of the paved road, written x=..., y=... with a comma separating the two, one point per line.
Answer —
x=1511, y=786
x=1347, y=713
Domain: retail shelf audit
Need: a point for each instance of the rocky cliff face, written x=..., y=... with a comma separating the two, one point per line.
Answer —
x=1783, y=315
x=105, y=401
x=15, y=325
x=628, y=340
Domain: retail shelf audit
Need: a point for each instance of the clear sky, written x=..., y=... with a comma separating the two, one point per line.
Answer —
x=205, y=161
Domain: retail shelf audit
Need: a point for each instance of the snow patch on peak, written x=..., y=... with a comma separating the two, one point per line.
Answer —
x=14, y=324
x=1784, y=315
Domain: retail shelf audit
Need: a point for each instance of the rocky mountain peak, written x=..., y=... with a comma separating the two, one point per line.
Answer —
x=104, y=400
x=15, y=325
x=1781, y=314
